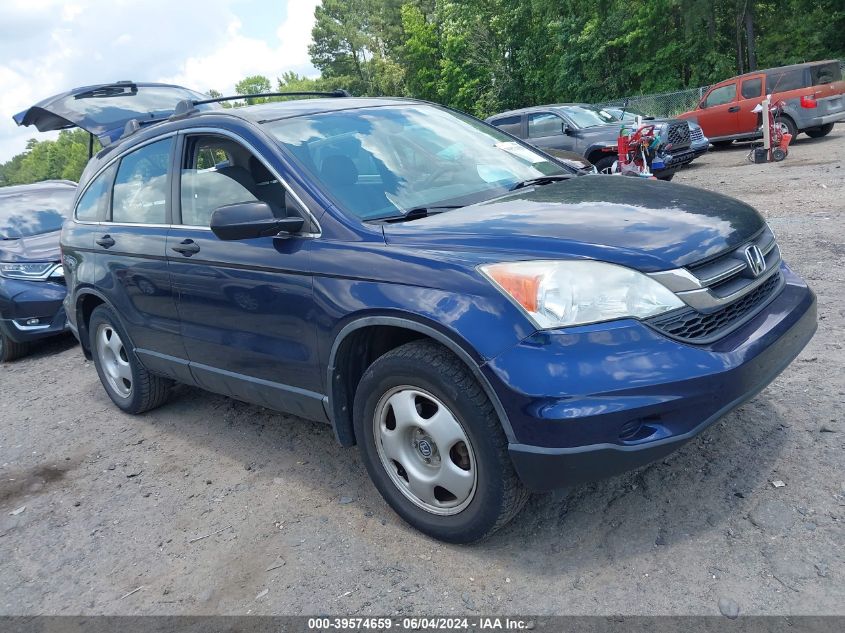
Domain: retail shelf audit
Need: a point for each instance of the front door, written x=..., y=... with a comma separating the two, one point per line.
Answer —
x=246, y=307
x=546, y=131
x=718, y=112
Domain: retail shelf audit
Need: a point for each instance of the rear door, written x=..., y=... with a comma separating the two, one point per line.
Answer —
x=751, y=90
x=129, y=249
x=717, y=113
x=246, y=307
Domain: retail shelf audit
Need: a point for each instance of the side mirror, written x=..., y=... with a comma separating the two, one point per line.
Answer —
x=564, y=128
x=248, y=220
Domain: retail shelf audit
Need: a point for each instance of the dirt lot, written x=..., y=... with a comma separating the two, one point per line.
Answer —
x=114, y=503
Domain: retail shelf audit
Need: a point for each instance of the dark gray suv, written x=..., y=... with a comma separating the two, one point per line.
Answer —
x=589, y=131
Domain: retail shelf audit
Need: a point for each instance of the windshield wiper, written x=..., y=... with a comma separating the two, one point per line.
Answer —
x=542, y=180
x=416, y=213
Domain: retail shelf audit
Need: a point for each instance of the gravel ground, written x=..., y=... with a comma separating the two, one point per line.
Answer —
x=209, y=505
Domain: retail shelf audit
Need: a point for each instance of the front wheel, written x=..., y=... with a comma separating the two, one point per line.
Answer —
x=11, y=350
x=606, y=165
x=818, y=132
x=434, y=446
x=786, y=126
x=129, y=385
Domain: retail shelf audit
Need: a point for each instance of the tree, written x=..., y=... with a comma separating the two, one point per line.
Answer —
x=253, y=85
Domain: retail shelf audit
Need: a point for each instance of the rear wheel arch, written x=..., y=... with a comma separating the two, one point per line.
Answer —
x=86, y=302
x=364, y=340
x=595, y=154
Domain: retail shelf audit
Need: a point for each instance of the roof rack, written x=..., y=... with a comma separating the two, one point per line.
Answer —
x=187, y=106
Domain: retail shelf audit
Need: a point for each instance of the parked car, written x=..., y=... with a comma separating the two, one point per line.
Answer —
x=699, y=143
x=574, y=160
x=32, y=284
x=814, y=96
x=478, y=318
x=589, y=131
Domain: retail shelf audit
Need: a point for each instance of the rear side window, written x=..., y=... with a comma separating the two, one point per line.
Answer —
x=544, y=124
x=788, y=80
x=721, y=96
x=93, y=205
x=140, y=188
x=825, y=74
x=510, y=124
x=752, y=88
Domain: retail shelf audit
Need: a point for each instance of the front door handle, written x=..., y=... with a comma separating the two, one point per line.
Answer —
x=106, y=241
x=187, y=247
x=733, y=109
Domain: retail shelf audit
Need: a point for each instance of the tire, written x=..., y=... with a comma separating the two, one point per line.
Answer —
x=667, y=177
x=131, y=387
x=605, y=165
x=438, y=387
x=787, y=126
x=818, y=132
x=11, y=350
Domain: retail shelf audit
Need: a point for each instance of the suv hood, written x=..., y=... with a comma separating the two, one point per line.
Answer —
x=644, y=224
x=104, y=109
x=33, y=248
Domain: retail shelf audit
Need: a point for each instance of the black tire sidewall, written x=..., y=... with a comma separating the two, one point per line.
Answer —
x=482, y=513
x=104, y=315
x=605, y=162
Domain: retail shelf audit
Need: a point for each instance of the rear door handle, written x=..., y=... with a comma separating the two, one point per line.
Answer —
x=187, y=247
x=733, y=109
x=106, y=241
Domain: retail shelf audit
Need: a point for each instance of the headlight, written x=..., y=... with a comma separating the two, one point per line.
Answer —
x=26, y=270
x=561, y=293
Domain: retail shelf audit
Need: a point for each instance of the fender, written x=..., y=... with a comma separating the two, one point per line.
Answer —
x=343, y=428
x=82, y=329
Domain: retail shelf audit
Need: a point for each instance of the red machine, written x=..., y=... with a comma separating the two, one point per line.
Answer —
x=636, y=151
x=775, y=140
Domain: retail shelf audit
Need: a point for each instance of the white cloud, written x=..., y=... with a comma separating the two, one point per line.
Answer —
x=48, y=46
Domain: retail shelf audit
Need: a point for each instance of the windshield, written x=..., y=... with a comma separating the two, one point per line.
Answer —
x=381, y=162
x=34, y=212
x=588, y=116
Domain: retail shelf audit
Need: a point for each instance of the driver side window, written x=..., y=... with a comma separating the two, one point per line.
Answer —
x=218, y=171
x=721, y=96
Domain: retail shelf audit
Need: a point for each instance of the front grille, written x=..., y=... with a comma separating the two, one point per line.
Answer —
x=696, y=134
x=678, y=134
x=692, y=326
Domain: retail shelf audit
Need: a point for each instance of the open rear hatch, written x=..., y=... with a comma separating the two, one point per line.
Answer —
x=105, y=109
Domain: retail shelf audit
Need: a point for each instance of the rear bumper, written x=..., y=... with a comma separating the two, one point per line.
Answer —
x=817, y=121
x=619, y=396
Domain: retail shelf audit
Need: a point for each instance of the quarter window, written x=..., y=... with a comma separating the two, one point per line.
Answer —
x=93, y=205
x=217, y=171
x=544, y=124
x=140, y=189
x=752, y=88
x=789, y=80
x=510, y=124
x=721, y=96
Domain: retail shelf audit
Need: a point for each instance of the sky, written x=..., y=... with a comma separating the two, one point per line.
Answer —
x=49, y=46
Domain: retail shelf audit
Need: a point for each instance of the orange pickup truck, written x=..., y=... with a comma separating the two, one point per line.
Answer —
x=813, y=93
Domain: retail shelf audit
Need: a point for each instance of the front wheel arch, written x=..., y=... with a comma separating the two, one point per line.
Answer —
x=343, y=376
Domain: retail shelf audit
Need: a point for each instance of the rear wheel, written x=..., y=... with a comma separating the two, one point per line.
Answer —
x=434, y=446
x=818, y=132
x=11, y=350
x=129, y=385
x=605, y=165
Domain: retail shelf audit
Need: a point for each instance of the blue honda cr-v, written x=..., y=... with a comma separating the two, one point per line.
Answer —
x=478, y=318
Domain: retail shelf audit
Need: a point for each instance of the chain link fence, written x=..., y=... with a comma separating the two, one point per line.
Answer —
x=669, y=104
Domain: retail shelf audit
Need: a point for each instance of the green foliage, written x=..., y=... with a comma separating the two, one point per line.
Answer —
x=485, y=56
x=64, y=158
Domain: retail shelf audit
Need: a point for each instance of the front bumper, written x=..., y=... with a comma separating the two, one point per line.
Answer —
x=594, y=401
x=22, y=302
